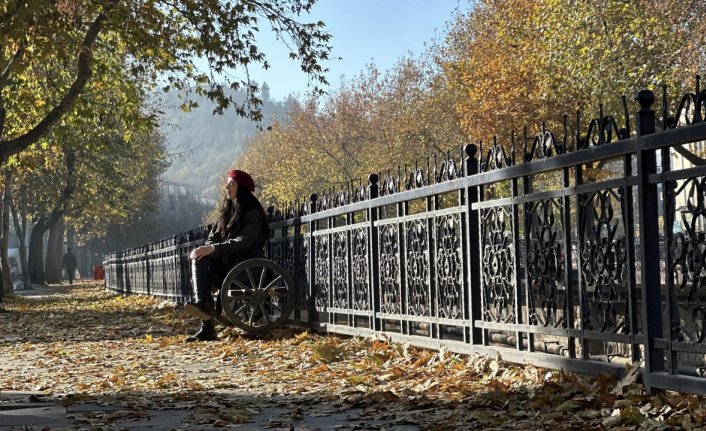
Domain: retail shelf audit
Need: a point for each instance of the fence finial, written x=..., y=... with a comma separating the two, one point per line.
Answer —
x=373, y=186
x=646, y=98
x=312, y=199
x=471, y=166
x=646, y=115
x=470, y=150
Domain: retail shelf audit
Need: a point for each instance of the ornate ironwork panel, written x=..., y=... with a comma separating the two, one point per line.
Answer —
x=359, y=194
x=174, y=270
x=158, y=279
x=449, y=266
x=289, y=259
x=687, y=257
x=416, y=179
x=389, y=186
x=448, y=170
x=544, y=146
x=322, y=284
x=498, y=264
x=690, y=110
x=277, y=252
x=390, y=286
x=324, y=202
x=185, y=276
x=604, y=272
x=545, y=263
x=417, y=268
x=495, y=159
x=361, y=274
x=291, y=264
x=302, y=277
x=603, y=130
x=339, y=267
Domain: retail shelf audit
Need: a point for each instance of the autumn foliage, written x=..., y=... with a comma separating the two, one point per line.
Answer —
x=372, y=122
x=502, y=65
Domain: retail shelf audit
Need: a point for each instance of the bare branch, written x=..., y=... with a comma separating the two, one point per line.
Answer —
x=8, y=68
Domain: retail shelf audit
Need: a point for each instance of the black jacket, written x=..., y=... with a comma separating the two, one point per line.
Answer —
x=246, y=240
x=69, y=260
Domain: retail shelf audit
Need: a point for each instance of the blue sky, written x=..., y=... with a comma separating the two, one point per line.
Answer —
x=364, y=31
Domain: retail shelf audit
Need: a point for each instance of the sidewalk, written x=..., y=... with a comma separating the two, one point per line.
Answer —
x=245, y=406
x=32, y=411
x=37, y=291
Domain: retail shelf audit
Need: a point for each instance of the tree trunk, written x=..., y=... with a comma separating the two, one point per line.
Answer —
x=21, y=229
x=70, y=237
x=36, y=253
x=8, y=287
x=36, y=244
x=55, y=251
x=3, y=114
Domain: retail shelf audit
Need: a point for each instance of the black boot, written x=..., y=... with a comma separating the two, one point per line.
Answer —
x=206, y=333
x=202, y=308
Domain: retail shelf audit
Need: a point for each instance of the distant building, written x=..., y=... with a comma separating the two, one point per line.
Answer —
x=173, y=194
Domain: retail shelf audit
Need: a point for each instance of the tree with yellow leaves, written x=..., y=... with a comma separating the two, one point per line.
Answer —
x=372, y=123
x=518, y=63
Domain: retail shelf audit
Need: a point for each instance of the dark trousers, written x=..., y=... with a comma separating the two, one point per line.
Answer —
x=70, y=274
x=206, y=274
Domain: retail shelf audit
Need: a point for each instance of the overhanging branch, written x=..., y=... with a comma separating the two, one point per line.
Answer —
x=85, y=60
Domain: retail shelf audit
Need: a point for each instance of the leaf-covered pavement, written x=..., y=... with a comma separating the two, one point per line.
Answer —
x=85, y=345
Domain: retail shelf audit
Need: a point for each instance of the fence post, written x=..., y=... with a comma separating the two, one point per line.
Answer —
x=148, y=268
x=270, y=218
x=312, y=261
x=374, y=258
x=649, y=237
x=473, y=248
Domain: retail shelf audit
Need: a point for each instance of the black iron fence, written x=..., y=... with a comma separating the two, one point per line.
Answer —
x=585, y=253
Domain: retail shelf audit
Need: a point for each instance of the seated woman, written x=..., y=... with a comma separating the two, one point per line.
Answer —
x=239, y=235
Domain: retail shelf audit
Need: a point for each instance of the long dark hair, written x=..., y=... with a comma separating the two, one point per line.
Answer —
x=231, y=211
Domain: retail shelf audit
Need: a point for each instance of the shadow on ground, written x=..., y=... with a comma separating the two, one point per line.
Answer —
x=227, y=409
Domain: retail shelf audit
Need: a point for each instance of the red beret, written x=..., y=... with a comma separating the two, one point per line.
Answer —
x=242, y=178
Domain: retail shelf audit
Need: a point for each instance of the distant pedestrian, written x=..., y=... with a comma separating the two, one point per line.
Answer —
x=70, y=264
x=98, y=272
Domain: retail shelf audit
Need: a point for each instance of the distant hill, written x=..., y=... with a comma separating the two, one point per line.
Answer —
x=204, y=145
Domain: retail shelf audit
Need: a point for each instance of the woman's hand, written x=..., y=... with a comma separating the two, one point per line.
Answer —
x=200, y=252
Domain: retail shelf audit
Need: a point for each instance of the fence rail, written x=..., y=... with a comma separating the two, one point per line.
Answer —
x=585, y=253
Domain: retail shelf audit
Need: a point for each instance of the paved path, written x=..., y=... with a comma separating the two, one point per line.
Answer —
x=248, y=410
x=33, y=411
